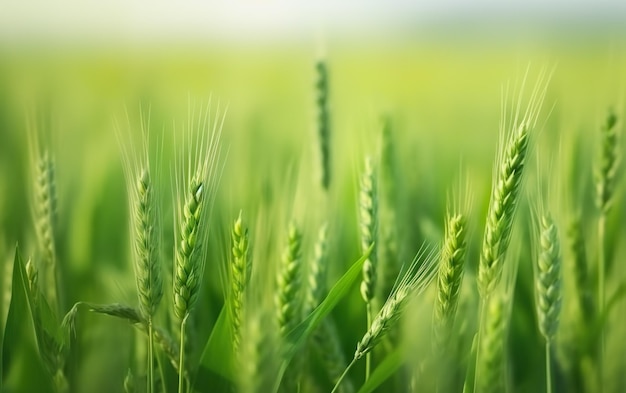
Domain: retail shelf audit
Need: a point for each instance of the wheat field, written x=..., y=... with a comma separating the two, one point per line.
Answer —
x=415, y=217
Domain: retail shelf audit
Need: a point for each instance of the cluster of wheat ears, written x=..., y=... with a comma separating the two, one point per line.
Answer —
x=268, y=345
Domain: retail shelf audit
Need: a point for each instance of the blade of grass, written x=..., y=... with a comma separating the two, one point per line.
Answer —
x=21, y=322
x=219, y=343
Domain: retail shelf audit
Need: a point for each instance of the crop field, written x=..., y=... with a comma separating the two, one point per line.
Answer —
x=422, y=216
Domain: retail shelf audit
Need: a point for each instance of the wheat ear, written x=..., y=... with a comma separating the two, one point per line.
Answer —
x=316, y=281
x=388, y=223
x=147, y=269
x=369, y=227
x=609, y=162
x=45, y=213
x=490, y=363
x=507, y=183
x=323, y=121
x=257, y=353
x=576, y=244
x=288, y=281
x=449, y=278
x=240, y=272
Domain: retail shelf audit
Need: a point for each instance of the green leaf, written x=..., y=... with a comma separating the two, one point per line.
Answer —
x=298, y=336
x=21, y=323
x=217, y=355
x=385, y=369
x=3, y=315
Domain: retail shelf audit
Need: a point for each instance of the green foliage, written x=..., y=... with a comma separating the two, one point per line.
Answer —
x=445, y=121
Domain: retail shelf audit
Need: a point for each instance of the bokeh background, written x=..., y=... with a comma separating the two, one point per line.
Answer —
x=70, y=69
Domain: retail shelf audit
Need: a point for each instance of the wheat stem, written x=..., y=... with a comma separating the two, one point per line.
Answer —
x=609, y=164
x=181, y=363
x=601, y=281
x=341, y=378
x=150, y=358
x=548, y=369
x=368, y=356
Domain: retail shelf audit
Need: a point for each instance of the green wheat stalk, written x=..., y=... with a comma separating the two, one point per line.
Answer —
x=368, y=199
x=196, y=182
x=605, y=183
x=548, y=287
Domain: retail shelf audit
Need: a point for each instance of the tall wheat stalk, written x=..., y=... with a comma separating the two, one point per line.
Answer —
x=197, y=177
x=548, y=285
x=144, y=229
x=605, y=184
x=509, y=168
x=369, y=231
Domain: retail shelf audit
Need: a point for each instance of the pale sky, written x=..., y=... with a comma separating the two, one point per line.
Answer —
x=153, y=20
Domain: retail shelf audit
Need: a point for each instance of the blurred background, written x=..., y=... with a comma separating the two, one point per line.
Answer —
x=70, y=69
